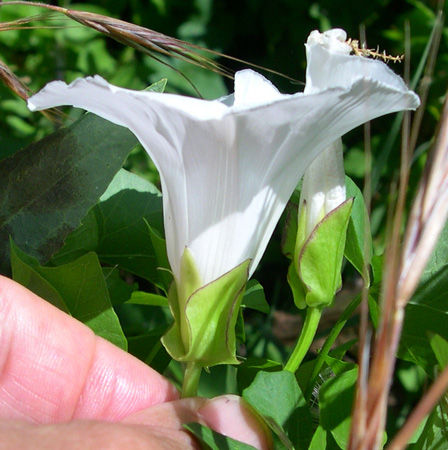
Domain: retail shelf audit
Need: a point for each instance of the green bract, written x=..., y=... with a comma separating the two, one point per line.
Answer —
x=205, y=316
x=315, y=271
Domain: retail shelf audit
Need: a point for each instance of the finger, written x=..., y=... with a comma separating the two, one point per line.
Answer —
x=54, y=369
x=158, y=428
x=90, y=435
x=229, y=415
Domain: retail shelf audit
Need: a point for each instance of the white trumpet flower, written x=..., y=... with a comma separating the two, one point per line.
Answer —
x=330, y=65
x=324, y=213
x=228, y=166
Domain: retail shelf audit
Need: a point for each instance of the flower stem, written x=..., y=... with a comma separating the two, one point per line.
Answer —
x=306, y=338
x=191, y=379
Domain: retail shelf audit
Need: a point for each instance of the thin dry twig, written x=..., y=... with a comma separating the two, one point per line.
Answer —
x=22, y=23
x=424, y=407
x=13, y=81
x=403, y=271
x=428, y=216
x=18, y=87
x=360, y=401
x=426, y=79
x=148, y=41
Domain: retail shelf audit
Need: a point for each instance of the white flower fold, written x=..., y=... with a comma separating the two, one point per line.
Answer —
x=229, y=166
x=323, y=188
x=329, y=65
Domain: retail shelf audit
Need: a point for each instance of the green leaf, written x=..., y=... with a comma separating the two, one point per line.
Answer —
x=158, y=86
x=82, y=286
x=290, y=229
x=342, y=349
x=440, y=348
x=335, y=403
x=124, y=238
x=337, y=366
x=146, y=298
x=119, y=290
x=435, y=433
x=218, y=380
x=78, y=288
x=148, y=348
x=357, y=250
x=48, y=187
x=254, y=297
x=118, y=230
x=163, y=265
x=374, y=310
x=213, y=440
x=278, y=398
x=24, y=273
x=248, y=370
x=79, y=242
x=319, y=441
x=354, y=162
x=427, y=311
x=377, y=269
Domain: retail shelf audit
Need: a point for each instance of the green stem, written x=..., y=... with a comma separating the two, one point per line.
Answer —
x=191, y=379
x=324, y=351
x=305, y=339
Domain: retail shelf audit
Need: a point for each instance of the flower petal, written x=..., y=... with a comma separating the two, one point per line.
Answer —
x=329, y=65
x=95, y=93
x=228, y=172
x=333, y=40
x=252, y=89
x=323, y=187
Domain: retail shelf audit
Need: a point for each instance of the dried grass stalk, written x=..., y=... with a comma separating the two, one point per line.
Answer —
x=143, y=39
x=148, y=41
x=13, y=82
x=404, y=266
x=428, y=216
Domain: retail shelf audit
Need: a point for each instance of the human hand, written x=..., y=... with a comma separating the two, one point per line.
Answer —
x=63, y=387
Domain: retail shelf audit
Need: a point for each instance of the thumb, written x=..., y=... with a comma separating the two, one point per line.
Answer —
x=229, y=415
x=232, y=416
